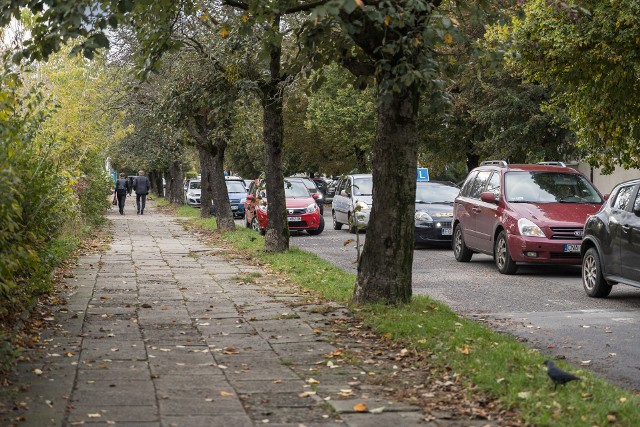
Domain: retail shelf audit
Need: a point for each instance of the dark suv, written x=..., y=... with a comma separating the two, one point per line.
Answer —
x=523, y=213
x=611, y=244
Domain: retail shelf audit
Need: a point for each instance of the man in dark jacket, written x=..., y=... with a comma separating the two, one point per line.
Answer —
x=122, y=189
x=141, y=186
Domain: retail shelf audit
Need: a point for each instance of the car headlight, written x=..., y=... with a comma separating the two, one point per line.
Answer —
x=312, y=208
x=422, y=216
x=362, y=206
x=526, y=227
x=244, y=199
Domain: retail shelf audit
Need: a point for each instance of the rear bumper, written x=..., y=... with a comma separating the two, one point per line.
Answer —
x=522, y=249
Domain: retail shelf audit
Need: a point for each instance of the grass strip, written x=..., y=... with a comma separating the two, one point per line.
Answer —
x=488, y=361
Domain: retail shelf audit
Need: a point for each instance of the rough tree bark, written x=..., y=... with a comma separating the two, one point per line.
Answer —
x=384, y=272
x=175, y=186
x=213, y=184
x=277, y=236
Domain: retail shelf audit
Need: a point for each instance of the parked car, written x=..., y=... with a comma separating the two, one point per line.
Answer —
x=331, y=190
x=192, y=196
x=523, y=213
x=611, y=242
x=313, y=189
x=352, y=202
x=303, y=213
x=237, y=196
x=434, y=212
x=321, y=184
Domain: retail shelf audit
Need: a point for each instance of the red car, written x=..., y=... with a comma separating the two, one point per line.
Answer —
x=523, y=213
x=303, y=213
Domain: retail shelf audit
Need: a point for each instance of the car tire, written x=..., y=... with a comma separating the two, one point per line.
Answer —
x=317, y=230
x=336, y=225
x=593, y=280
x=353, y=229
x=256, y=226
x=501, y=256
x=460, y=251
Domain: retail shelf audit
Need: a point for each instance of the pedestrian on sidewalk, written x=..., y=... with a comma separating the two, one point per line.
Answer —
x=122, y=189
x=141, y=185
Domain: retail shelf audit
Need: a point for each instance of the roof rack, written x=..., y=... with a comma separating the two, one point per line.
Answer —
x=502, y=163
x=561, y=164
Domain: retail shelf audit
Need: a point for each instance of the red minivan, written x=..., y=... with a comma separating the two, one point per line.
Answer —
x=523, y=214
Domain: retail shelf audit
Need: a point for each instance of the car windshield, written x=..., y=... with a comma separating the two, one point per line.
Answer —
x=363, y=186
x=549, y=187
x=311, y=186
x=435, y=193
x=194, y=185
x=236, y=187
x=295, y=189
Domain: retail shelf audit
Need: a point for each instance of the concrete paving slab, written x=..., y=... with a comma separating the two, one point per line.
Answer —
x=162, y=330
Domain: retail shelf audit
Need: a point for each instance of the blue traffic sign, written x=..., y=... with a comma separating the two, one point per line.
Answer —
x=422, y=175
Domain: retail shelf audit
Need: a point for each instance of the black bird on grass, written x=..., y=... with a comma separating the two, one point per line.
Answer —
x=557, y=375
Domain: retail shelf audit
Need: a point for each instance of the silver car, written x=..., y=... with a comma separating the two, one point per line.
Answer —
x=352, y=202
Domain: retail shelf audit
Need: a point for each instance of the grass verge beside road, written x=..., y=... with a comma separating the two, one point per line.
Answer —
x=487, y=362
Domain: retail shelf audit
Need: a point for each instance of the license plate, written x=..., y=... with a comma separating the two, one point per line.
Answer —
x=571, y=248
x=446, y=232
x=294, y=218
x=234, y=208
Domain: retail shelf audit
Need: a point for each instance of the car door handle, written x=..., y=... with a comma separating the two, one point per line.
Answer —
x=626, y=228
x=476, y=210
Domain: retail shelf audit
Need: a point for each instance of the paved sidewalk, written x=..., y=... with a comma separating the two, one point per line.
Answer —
x=162, y=330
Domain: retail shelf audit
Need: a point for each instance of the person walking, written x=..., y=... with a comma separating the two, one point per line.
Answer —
x=122, y=189
x=141, y=185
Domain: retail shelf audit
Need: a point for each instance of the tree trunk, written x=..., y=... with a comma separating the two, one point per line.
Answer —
x=158, y=184
x=175, y=186
x=206, y=182
x=277, y=236
x=385, y=269
x=224, y=215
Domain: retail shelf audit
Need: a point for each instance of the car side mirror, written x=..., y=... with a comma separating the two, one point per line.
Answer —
x=488, y=197
x=606, y=197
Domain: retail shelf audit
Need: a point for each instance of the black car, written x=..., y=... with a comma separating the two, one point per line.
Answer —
x=434, y=212
x=611, y=242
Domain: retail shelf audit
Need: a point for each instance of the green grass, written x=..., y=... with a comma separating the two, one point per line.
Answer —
x=489, y=362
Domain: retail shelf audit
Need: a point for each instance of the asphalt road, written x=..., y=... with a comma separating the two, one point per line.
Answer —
x=543, y=305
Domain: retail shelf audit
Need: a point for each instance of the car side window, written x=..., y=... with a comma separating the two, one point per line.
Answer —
x=479, y=184
x=494, y=184
x=622, y=198
x=636, y=204
x=464, y=191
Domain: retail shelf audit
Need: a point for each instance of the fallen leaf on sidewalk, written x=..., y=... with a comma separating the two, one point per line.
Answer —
x=145, y=305
x=94, y=415
x=360, y=407
x=306, y=393
x=313, y=381
x=225, y=394
x=230, y=350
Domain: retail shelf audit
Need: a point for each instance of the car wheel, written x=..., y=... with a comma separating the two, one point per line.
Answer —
x=317, y=230
x=593, y=281
x=256, y=226
x=504, y=262
x=352, y=225
x=336, y=225
x=460, y=251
